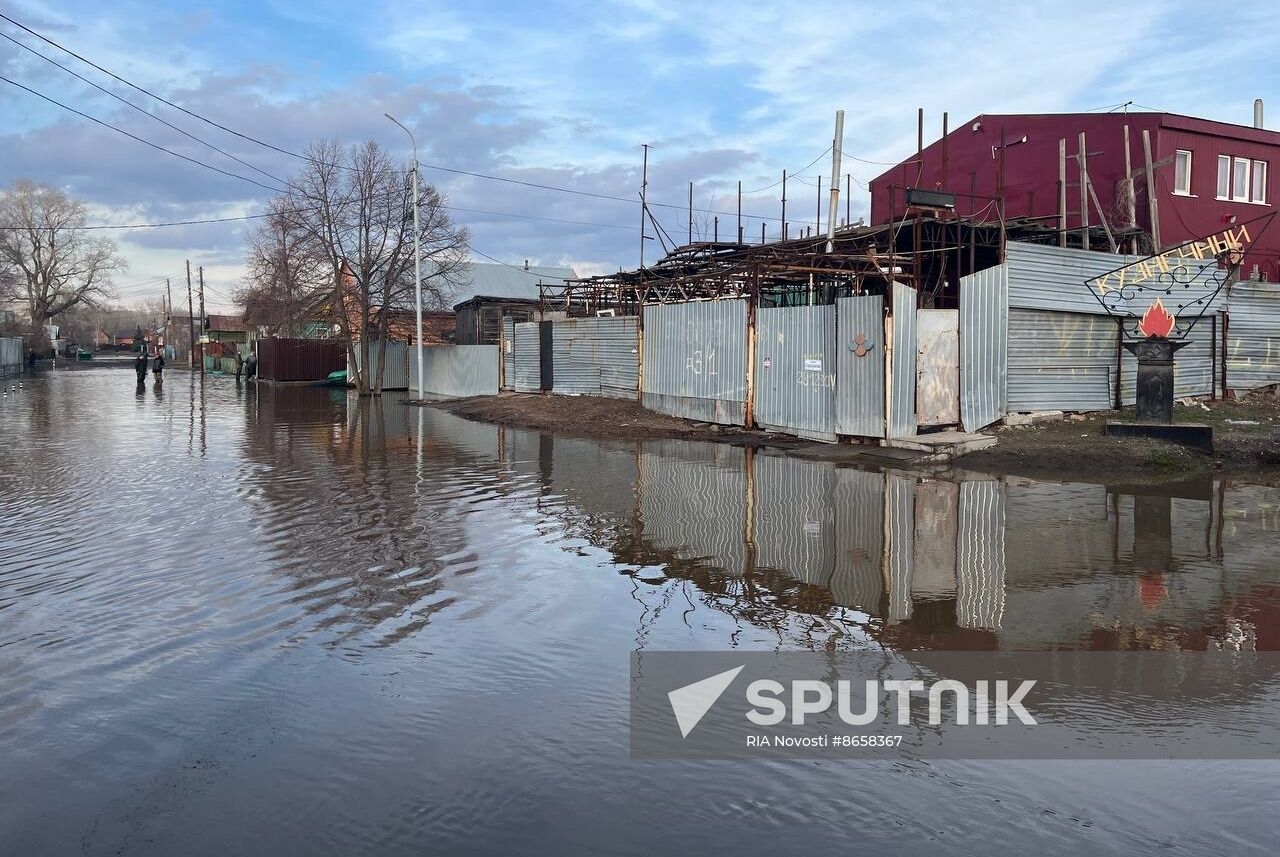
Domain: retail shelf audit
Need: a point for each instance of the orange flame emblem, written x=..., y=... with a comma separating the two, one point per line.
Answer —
x=1156, y=321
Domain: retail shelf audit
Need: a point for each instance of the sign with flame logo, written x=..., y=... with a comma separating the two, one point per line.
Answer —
x=1156, y=321
x=1164, y=295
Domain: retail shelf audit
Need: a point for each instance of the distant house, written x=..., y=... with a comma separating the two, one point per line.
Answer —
x=493, y=291
x=485, y=292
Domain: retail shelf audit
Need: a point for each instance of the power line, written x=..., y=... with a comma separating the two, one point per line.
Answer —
x=136, y=138
x=122, y=100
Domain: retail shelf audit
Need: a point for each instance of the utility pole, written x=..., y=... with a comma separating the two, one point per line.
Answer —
x=848, y=199
x=739, y=211
x=784, y=205
x=817, y=214
x=168, y=316
x=202, y=317
x=191, y=323
x=1130, y=211
x=644, y=205
x=690, y=212
x=417, y=255
x=836, y=146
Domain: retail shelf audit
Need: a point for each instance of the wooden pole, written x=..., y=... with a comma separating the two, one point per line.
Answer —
x=784, y=205
x=739, y=211
x=1082, y=162
x=1111, y=240
x=191, y=322
x=1130, y=210
x=202, y=316
x=1151, y=191
x=690, y=212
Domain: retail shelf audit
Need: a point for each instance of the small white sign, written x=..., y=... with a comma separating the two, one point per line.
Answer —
x=813, y=365
x=768, y=363
x=507, y=344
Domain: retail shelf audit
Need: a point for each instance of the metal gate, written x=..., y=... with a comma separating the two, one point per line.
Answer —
x=527, y=372
x=795, y=372
x=984, y=343
x=507, y=355
x=859, y=355
x=902, y=355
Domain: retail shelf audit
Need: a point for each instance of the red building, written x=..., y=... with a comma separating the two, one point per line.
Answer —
x=1204, y=174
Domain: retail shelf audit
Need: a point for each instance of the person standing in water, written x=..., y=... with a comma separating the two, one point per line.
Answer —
x=239, y=365
x=140, y=366
x=157, y=366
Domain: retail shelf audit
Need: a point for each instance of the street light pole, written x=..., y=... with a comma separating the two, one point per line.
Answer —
x=417, y=254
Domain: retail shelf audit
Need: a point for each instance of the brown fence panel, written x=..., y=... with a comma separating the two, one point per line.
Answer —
x=299, y=359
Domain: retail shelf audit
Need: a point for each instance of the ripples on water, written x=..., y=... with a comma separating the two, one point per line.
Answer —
x=284, y=620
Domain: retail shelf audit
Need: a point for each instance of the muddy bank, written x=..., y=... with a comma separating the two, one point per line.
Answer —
x=1245, y=440
x=1076, y=446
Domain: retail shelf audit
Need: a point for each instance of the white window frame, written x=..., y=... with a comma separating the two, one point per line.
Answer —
x=1184, y=189
x=1224, y=177
x=1240, y=180
x=1258, y=190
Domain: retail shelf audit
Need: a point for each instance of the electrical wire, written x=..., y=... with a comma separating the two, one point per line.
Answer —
x=790, y=174
x=138, y=139
x=136, y=107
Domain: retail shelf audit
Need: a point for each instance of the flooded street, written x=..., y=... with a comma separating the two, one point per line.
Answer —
x=256, y=620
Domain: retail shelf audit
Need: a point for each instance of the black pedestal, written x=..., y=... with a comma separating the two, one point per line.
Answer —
x=1155, y=378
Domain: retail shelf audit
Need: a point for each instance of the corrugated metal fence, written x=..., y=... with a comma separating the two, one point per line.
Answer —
x=395, y=372
x=1064, y=350
x=299, y=359
x=10, y=355
x=508, y=357
x=795, y=371
x=984, y=339
x=902, y=356
x=457, y=370
x=595, y=356
x=525, y=358
x=1253, y=335
x=695, y=360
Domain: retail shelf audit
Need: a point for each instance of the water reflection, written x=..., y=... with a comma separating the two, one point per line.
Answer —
x=357, y=625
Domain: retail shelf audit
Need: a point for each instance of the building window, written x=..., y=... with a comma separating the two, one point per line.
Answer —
x=1182, y=173
x=1259, y=193
x=1240, y=178
x=1224, y=177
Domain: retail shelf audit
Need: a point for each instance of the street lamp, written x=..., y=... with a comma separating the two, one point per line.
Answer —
x=417, y=252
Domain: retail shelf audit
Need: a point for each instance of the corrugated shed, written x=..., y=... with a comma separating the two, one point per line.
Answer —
x=1253, y=335
x=1053, y=278
x=693, y=501
x=695, y=360
x=596, y=356
x=795, y=372
x=1061, y=360
x=860, y=355
x=457, y=370
x=980, y=555
x=984, y=340
x=902, y=398
x=526, y=358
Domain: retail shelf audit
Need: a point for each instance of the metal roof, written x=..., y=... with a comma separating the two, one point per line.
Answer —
x=483, y=279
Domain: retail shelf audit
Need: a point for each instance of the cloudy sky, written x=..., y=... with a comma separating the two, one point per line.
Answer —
x=564, y=94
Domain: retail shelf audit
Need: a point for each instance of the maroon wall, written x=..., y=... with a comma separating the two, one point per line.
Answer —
x=1031, y=172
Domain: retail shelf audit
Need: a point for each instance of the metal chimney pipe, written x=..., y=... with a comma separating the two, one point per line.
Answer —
x=1257, y=112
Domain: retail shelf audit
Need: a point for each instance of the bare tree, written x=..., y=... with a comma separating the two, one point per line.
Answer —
x=45, y=255
x=341, y=241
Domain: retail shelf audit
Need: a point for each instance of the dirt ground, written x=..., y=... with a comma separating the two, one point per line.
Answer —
x=1246, y=437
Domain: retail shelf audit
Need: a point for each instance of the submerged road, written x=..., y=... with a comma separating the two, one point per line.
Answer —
x=237, y=619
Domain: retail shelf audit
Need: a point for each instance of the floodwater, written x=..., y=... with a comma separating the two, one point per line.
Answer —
x=246, y=620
